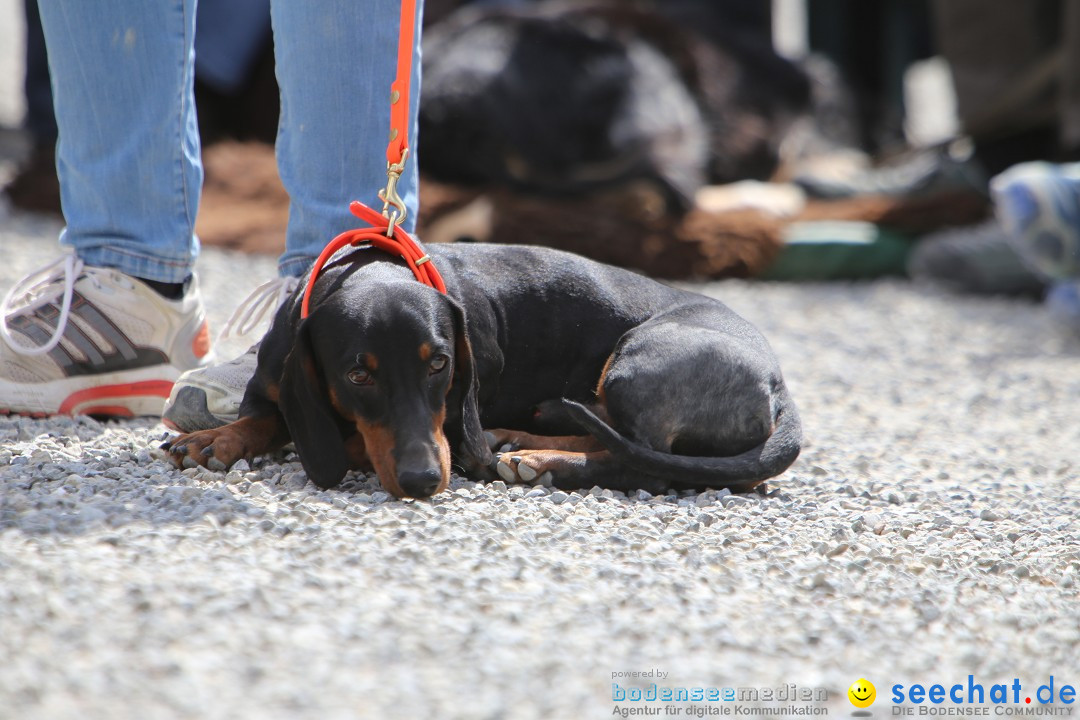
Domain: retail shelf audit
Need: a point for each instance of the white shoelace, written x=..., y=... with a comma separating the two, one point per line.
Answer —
x=39, y=287
x=265, y=298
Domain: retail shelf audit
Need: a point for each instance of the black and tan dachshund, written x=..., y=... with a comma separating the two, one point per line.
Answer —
x=591, y=374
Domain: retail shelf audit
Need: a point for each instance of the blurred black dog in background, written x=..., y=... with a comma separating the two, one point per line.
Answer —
x=570, y=97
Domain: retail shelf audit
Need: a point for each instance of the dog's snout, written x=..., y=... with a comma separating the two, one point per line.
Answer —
x=420, y=484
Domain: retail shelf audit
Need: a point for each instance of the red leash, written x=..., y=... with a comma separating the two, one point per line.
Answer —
x=385, y=232
x=399, y=90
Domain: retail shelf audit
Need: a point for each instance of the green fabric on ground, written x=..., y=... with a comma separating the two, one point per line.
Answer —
x=829, y=250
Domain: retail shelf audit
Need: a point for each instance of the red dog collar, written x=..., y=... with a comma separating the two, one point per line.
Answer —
x=401, y=244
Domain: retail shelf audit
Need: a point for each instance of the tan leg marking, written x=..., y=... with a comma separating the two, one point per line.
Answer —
x=518, y=440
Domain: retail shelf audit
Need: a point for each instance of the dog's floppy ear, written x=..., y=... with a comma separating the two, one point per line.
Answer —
x=463, y=411
x=312, y=421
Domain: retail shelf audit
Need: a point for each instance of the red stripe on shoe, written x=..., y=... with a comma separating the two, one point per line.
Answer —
x=113, y=411
x=155, y=388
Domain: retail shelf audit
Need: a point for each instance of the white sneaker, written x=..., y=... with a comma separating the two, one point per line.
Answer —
x=210, y=397
x=94, y=341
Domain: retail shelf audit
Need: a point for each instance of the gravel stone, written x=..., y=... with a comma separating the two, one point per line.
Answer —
x=559, y=497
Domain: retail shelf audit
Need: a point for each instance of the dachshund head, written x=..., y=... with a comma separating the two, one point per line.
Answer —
x=394, y=365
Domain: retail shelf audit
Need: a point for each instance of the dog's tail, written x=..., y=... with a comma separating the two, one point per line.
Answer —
x=743, y=471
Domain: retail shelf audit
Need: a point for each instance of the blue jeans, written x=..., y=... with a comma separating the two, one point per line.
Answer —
x=128, y=155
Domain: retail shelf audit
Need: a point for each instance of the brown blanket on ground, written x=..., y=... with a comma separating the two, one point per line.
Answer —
x=244, y=207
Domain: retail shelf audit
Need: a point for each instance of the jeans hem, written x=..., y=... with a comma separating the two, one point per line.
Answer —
x=140, y=265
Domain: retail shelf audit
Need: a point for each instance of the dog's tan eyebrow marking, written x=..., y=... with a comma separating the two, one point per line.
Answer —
x=371, y=362
x=425, y=351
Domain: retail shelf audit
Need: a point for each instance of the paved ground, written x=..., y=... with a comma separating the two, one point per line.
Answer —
x=927, y=532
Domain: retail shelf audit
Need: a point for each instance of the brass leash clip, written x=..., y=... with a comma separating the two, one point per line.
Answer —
x=389, y=194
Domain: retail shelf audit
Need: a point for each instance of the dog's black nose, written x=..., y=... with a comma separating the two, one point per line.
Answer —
x=420, y=484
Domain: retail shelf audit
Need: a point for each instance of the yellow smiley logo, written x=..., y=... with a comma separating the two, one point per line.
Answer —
x=862, y=693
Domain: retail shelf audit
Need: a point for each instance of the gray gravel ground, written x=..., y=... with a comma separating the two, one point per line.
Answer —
x=927, y=532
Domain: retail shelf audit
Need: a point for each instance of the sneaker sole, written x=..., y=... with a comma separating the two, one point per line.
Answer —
x=121, y=394
x=187, y=412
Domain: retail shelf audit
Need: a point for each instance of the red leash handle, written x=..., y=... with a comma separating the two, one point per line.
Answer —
x=401, y=244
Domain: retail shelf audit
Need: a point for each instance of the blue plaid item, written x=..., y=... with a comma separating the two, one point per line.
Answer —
x=1038, y=204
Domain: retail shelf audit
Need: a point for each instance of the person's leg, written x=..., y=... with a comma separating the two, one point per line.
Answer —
x=109, y=326
x=1069, y=100
x=335, y=64
x=1003, y=70
x=334, y=67
x=34, y=186
x=128, y=153
x=230, y=35
x=39, y=106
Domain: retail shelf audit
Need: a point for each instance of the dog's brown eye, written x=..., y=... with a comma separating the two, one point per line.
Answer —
x=360, y=377
x=438, y=363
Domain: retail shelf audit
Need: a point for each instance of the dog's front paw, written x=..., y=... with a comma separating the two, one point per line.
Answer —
x=217, y=449
x=523, y=468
